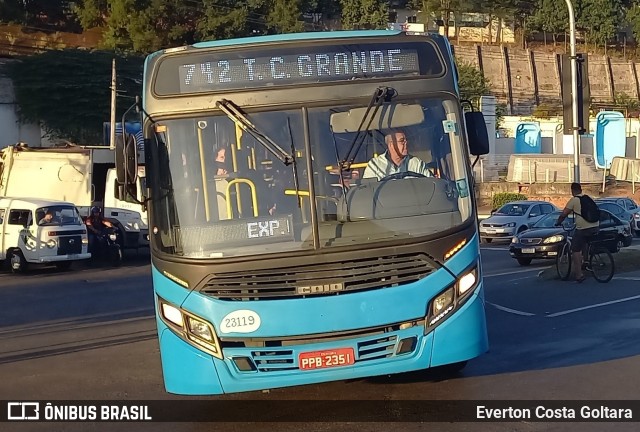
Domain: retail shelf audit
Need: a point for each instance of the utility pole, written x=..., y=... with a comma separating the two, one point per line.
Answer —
x=112, y=131
x=574, y=93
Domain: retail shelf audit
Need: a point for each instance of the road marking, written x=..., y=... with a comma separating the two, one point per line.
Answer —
x=567, y=312
x=628, y=278
x=516, y=272
x=513, y=311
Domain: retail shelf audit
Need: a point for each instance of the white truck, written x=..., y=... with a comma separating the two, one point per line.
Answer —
x=83, y=176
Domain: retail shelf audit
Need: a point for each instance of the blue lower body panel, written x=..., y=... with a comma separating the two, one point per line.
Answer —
x=461, y=337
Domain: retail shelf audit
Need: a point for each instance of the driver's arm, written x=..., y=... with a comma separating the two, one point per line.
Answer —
x=417, y=165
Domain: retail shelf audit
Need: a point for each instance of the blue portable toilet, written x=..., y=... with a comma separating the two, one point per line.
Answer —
x=528, y=138
x=610, y=139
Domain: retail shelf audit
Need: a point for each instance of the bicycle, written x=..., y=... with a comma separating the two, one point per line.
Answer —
x=599, y=260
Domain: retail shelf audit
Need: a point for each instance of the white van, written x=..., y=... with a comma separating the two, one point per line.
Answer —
x=37, y=231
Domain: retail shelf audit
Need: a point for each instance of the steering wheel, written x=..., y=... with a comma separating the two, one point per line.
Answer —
x=403, y=174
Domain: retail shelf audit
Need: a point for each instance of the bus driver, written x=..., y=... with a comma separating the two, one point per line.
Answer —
x=395, y=160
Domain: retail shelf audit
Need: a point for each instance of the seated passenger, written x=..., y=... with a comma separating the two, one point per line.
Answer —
x=395, y=160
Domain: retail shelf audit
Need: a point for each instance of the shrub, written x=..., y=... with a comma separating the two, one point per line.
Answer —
x=502, y=198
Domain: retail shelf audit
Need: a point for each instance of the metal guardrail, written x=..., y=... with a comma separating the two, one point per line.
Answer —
x=530, y=169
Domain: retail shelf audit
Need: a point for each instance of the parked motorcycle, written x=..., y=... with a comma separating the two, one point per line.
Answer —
x=106, y=247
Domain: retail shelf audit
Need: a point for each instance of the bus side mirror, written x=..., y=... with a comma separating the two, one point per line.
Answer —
x=126, y=153
x=477, y=133
x=126, y=160
x=120, y=161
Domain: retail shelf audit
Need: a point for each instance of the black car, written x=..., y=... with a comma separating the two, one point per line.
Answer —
x=544, y=241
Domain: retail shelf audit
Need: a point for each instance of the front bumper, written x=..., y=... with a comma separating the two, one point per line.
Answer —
x=497, y=233
x=541, y=251
x=59, y=258
x=187, y=370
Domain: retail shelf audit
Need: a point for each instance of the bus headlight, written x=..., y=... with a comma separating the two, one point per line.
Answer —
x=172, y=314
x=468, y=281
x=441, y=302
x=199, y=329
x=191, y=328
x=51, y=243
x=451, y=298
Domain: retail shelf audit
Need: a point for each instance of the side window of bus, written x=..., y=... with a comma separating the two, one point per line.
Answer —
x=20, y=217
x=1, y=216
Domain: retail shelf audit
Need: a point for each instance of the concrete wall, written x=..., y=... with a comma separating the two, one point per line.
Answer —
x=523, y=79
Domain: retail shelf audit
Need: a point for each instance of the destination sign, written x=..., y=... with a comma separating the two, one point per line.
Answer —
x=244, y=69
x=245, y=232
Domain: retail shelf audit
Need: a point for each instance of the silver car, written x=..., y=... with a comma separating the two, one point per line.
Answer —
x=513, y=218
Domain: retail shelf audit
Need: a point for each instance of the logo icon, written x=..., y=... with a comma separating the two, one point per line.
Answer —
x=23, y=411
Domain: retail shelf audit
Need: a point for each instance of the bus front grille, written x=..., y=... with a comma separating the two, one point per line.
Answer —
x=280, y=359
x=318, y=279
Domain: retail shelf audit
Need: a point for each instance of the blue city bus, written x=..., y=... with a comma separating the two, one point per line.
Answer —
x=278, y=258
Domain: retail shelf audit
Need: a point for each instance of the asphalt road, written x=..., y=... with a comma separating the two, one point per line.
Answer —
x=89, y=334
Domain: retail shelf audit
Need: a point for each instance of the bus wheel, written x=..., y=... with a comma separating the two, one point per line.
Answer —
x=63, y=265
x=17, y=261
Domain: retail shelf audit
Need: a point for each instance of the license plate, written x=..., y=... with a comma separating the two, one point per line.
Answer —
x=491, y=231
x=326, y=359
x=528, y=250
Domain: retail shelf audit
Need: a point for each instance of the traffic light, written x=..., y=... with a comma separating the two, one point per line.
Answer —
x=584, y=96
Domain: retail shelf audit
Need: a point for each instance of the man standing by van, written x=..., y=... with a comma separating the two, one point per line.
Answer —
x=587, y=217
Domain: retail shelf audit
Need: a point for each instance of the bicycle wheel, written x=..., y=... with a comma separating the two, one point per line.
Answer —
x=602, y=265
x=563, y=262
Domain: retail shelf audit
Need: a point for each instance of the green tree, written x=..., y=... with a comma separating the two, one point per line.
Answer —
x=12, y=11
x=91, y=13
x=224, y=19
x=364, y=14
x=550, y=16
x=471, y=82
x=68, y=91
x=600, y=19
x=633, y=18
x=284, y=16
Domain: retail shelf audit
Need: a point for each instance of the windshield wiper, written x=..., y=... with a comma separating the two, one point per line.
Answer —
x=380, y=95
x=296, y=182
x=233, y=112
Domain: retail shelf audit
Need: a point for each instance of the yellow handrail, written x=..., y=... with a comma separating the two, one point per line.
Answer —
x=254, y=196
x=354, y=165
x=203, y=168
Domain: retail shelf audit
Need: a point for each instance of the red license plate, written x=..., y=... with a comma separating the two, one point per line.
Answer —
x=326, y=359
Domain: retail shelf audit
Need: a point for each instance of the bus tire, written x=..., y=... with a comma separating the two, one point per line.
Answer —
x=17, y=262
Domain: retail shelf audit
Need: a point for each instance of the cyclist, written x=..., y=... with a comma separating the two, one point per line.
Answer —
x=584, y=229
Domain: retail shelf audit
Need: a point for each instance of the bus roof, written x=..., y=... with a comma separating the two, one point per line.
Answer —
x=296, y=36
x=288, y=37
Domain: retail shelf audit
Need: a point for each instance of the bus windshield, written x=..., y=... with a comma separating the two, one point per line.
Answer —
x=224, y=194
